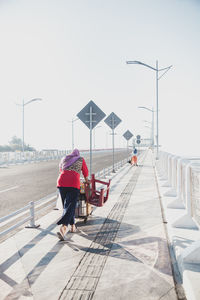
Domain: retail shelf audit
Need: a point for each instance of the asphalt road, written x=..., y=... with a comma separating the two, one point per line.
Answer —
x=20, y=184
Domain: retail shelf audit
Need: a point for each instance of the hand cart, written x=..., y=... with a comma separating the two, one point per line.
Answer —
x=90, y=196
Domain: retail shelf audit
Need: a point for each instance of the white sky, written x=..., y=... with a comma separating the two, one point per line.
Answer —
x=71, y=52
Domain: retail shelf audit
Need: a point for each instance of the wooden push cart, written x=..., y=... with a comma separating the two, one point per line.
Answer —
x=90, y=196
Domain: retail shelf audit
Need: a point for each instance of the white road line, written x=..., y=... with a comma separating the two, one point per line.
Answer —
x=12, y=188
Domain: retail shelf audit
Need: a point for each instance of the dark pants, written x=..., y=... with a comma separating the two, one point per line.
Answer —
x=69, y=196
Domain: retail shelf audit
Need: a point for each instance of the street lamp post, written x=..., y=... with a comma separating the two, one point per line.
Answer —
x=157, y=78
x=152, y=121
x=73, y=120
x=23, y=104
x=150, y=133
x=151, y=128
x=94, y=135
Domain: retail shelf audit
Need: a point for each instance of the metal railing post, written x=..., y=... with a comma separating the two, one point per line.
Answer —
x=32, y=215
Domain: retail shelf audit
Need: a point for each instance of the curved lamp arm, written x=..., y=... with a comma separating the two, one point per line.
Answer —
x=144, y=107
x=136, y=62
x=32, y=100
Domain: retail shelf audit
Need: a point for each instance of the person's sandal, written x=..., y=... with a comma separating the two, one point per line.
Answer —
x=73, y=229
x=60, y=236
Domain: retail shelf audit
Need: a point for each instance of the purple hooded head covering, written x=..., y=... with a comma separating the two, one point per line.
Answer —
x=68, y=160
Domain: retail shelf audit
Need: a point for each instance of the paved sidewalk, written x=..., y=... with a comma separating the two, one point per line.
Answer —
x=121, y=253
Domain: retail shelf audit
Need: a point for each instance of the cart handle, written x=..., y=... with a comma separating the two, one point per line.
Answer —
x=103, y=182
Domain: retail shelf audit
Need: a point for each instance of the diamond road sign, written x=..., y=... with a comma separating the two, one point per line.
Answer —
x=127, y=135
x=112, y=120
x=91, y=109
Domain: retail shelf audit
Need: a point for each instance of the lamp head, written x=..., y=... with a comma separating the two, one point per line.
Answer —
x=129, y=62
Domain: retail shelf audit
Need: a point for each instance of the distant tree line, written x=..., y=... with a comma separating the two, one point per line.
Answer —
x=15, y=144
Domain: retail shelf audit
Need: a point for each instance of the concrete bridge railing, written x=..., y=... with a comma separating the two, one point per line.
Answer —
x=181, y=178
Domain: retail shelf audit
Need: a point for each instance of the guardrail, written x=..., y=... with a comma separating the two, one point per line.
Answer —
x=30, y=156
x=105, y=172
x=181, y=175
x=42, y=205
x=22, y=213
x=18, y=157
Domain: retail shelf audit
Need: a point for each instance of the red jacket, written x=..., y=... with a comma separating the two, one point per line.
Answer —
x=70, y=178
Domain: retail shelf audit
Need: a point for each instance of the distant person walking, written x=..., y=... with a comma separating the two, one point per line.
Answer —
x=134, y=160
x=68, y=184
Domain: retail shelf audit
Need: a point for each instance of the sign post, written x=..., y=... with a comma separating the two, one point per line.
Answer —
x=127, y=135
x=90, y=140
x=113, y=121
x=138, y=141
x=91, y=115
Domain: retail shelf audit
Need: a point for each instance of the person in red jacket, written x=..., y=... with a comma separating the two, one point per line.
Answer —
x=134, y=160
x=68, y=184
